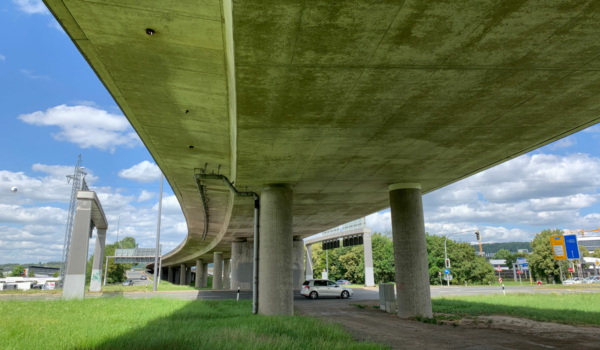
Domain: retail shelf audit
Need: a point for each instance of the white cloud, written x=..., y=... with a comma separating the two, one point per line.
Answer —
x=2, y=58
x=32, y=221
x=31, y=6
x=30, y=74
x=142, y=172
x=535, y=191
x=86, y=126
x=145, y=196
x=54, y=24
x=563, y=143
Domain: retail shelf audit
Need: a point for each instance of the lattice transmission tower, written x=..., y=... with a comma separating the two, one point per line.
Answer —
x=79, y=183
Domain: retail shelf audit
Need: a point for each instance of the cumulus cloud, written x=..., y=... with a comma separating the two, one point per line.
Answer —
x=87, y=126
x=142, y=172
x=31, y=6
x=145, y=196
x=533, y=191
x=563, y=143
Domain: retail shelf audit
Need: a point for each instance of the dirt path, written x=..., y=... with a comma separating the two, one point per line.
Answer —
x=501, y=333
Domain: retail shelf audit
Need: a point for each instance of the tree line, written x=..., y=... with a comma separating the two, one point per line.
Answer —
x=466, y=265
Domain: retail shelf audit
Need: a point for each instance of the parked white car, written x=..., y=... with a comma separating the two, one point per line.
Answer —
x=592, y=279
x=324, y=288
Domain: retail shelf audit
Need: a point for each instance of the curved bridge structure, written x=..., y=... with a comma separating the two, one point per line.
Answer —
x=319, y=106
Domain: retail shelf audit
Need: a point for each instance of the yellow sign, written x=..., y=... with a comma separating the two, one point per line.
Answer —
x=558, y=247
x=597, y=263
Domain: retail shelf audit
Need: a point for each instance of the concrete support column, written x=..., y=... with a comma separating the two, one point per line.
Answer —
x=170, y=274
x=182, y=275
x=74, y=283
x=199, y=274
x=410, y=250
x=205, y=275
x=218, y=271
x=309, y=267
x=242, y=255
x=188, y=276
x=227, y=274
x=368, y=254
x=96, y=279
x=276, y=295
x=297, y=263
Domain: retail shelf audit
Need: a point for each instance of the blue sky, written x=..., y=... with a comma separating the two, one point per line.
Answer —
x=51, y=100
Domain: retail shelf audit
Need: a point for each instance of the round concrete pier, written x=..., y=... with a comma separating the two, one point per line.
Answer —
x=410, y=251
x=199, y=273
x=218, y=271
x=275, y=296
x=242, y=256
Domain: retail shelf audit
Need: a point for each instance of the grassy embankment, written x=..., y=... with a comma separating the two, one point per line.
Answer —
x=574, y=309
x=158, y=323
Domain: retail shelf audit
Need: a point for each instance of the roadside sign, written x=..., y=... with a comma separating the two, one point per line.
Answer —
x=570, y=270
x=519, y=272
x=558, y=247
x=525, y=266
x=500, y=279
x=498, y=269
x=521, y=261
x=447, y=271
x=440, y=272
x=571, y=247
x=448, y=278
x=579, y=265
x=597, y=262
x=539, y=283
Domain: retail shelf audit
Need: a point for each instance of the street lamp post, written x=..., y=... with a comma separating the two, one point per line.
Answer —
x=446, y=252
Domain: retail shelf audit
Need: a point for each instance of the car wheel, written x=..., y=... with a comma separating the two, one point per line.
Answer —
x=345, y=294
x=314, y=295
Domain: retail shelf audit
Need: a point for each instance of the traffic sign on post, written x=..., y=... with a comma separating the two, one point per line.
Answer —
x=447, y=271
x=570, y=270
x=597, y=262
x=571, y=247
x=519, y=272
x=558, y=247
x=500, y=279
x=448, y=278
x=499, y=269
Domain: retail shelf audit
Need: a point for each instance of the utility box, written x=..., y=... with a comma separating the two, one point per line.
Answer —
x=387, y=297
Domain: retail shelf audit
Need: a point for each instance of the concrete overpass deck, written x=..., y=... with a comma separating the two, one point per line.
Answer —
x=336, y=99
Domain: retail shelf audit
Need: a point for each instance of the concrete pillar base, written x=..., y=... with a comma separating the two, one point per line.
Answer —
x=298, y=263
x=410, y=251
x=242, y=262
x=199, y=273
x=275, y=296
x=96, y=278
x=218, y=271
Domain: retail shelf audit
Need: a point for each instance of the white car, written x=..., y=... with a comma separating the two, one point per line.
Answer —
x=592, y=279
x=324, y=288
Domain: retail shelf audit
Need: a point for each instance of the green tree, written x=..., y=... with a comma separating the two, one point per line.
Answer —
x=116, y=272
x=541, y=262
x=596, y=253
x=30, y=273
x=1, y=274
x=502, y=254
x=16, y=272
x=56, y=274
x=510, y=260
x=584, y=251
x=465, y=264
x=383, y=258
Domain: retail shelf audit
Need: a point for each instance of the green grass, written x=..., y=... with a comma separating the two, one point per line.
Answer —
x=574, y=309
x=159, y=323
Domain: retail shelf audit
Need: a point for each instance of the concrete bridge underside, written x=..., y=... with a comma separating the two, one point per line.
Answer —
x=338, y=100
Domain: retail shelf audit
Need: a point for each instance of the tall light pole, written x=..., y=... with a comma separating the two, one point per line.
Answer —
x=446, y=261
x=156, y=253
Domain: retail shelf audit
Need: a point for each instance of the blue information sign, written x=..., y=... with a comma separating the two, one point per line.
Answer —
x=447, y=271
x=571, y=247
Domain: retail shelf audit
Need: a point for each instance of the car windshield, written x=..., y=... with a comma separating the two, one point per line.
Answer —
x=306, y=283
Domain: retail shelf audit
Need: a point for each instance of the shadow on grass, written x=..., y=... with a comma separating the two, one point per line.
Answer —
x=226, y=324
x=549, y=314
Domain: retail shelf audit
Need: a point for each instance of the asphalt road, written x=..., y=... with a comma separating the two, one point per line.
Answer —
x=135, y=276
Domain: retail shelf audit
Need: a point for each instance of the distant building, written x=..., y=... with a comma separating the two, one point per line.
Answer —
x=526, y=251
x=591, y=243
x=41, y=271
